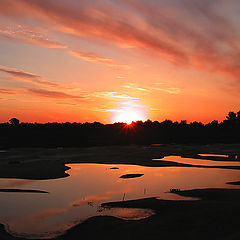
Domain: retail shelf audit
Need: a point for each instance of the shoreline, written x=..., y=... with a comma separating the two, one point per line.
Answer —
x=42, y=163
x=200, y=219
x=214, y=216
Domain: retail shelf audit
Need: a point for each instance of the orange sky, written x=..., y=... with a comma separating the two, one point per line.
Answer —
x=109, y=60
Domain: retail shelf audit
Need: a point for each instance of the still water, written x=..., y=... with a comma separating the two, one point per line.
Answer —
x=200, y=162
x=75, y=198
x=212, y=155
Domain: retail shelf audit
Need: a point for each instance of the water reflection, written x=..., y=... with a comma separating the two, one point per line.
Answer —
x=73, y=199
x=129, y=213
x=194, y=161
x=212, y=155
x=230, y=157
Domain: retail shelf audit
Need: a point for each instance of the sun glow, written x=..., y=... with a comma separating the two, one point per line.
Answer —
x=129, y=116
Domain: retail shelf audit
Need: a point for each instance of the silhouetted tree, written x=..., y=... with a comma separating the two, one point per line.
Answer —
x=14, y=121
x=238, y=114
x=231, y=116
x=98, y=134
x=183, y=122
x=214, y=123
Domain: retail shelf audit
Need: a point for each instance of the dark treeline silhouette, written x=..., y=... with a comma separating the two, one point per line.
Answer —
x=16, y=134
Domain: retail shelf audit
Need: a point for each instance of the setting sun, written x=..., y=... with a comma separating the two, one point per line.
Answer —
x=107, y=104
x=129, y=116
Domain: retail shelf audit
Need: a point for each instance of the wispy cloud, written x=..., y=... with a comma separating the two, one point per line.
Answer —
x=142, y=89
x=163, y=88
x=111, y=95
x=209, y=48
x=92, y=57
x=135, y=87
x=119, y=96
x=53, y=94
x=26, y=76
x=157, y=27
x=110, y=110
x=104, y=21
x=163, y=29
x=27, y=35
x=7, y=91
x=129, y=85
x=171, y=90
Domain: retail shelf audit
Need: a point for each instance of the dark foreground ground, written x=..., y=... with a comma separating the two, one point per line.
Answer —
x=215, y=216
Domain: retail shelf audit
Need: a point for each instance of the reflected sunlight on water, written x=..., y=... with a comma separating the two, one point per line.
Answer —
x=78, y=197
x=202, y=162
x=212, y=155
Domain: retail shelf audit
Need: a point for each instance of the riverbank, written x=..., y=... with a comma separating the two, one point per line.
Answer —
x=47, y=163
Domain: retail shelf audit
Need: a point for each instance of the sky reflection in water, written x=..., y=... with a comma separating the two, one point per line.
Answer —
x=73, y=199
x=203, y=162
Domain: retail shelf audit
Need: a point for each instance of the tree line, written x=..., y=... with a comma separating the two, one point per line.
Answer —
x=19, y=134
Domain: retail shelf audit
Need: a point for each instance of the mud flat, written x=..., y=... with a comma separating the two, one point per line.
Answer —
x=14, y=190
x=131, y=175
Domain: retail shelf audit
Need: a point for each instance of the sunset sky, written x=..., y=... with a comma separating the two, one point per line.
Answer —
x=104, y=60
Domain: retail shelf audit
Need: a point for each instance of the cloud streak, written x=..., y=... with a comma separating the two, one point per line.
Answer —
x=26, y=76
x=162, y=29
x=112, y=95
x=7, y=91
x=133, y=86
x=119, y=96
x=171, y=90
x=28, y=36
x=52, y=94
x=92, y=57
x=209, y=48
x=103, y=22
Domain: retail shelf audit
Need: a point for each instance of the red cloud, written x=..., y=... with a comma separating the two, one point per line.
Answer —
x=26, y=76
x=200, y=43
x=95, y=22
x=6, y=91
x=52, y=94
x=28, y=36
x=92, y=57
